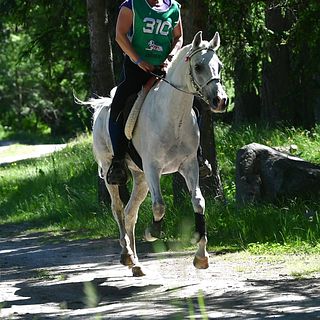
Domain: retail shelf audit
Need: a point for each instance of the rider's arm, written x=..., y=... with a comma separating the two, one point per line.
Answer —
x=124, y=24
x=177, y=39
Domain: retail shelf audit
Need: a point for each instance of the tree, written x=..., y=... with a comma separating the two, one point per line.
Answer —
x=242, y=31
x=102, y=75
x=50, y=39
x=277, y=84
x=291, y=75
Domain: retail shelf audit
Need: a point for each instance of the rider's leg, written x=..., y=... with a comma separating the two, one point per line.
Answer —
x=133, y=79
x=118, y=172
x=205, y=169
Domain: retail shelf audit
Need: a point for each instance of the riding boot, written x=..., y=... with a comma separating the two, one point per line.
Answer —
x=205, y=169
x=118, y=173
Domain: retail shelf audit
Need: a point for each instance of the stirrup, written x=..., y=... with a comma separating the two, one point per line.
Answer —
x=205, y=169
x=118, y=173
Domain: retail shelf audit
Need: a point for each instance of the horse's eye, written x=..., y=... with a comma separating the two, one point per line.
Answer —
x=197, y=67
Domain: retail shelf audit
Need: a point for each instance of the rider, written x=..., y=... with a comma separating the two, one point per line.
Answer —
x=149, y=32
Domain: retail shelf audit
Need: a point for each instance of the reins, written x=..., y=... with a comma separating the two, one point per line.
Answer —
x=162, y=77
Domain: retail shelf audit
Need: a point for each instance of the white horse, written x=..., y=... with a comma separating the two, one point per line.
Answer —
x=166, y=137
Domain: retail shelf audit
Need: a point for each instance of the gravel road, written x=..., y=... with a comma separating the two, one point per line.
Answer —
x=44, y=276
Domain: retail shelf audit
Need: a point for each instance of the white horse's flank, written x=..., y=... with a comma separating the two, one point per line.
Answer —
x=167, y=137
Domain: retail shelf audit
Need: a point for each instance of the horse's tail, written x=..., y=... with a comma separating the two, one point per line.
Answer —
x=96, y=103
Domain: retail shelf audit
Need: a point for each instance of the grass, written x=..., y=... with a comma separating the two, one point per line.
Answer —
x=58, y=193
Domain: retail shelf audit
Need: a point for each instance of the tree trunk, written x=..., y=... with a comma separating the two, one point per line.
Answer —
x=316, y=99
x=195, y=17
x=266, y=174
x=102, y=75
x=277, y=102
x=247, y=102
x=211, y=186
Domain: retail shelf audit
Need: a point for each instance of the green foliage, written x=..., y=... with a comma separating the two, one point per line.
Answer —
x=45, y=55
x=252, y=38
x=44, y=58
x=242, y=26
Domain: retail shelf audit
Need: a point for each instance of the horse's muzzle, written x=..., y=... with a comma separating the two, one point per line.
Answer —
x=219, y=105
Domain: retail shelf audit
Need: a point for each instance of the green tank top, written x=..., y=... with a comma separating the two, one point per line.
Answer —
x=152, y=33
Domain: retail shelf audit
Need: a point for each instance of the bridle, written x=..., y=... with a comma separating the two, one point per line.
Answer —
x=197, y=86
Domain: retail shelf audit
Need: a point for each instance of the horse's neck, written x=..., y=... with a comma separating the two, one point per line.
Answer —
x=167, y=111
x=175, y=105
x=175, y=91
x=178, y=72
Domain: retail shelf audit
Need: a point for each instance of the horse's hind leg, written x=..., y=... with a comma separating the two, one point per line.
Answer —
x=127, y=255
x=190, y=172
x=158, y=208
x=139, y=193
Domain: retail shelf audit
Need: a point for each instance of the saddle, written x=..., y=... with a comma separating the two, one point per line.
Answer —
x=132, y=110
x=133, y=107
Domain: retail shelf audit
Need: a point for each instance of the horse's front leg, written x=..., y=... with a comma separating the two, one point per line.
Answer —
x=139, y=193
x=153, y=174
x=190, y=172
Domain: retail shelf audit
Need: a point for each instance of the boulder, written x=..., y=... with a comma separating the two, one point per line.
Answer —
x=267, y=174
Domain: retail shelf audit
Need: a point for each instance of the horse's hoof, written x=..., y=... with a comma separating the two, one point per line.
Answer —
x=127, y=260
x=148, y=236
x=201, y=263
x=137, y=271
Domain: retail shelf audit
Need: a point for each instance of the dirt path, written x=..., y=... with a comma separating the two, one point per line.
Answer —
x=46, y=277
x=23, y=152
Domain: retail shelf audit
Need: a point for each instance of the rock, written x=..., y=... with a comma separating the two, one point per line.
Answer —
x=266, y=174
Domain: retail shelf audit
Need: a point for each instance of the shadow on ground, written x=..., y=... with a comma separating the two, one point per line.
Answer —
x=45, y=279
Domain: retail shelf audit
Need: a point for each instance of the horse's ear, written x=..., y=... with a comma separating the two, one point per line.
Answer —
x=215, y=41
x=197, y=40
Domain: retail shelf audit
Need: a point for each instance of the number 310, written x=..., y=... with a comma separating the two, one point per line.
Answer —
x=156, y=26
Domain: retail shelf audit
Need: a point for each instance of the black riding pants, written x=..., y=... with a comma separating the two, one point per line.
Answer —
x=132, y=80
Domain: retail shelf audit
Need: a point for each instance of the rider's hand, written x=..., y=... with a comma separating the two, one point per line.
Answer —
x=165, y=64
x=145, y=66
x=160, y=71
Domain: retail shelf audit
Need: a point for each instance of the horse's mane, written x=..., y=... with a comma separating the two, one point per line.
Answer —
x=183, y=51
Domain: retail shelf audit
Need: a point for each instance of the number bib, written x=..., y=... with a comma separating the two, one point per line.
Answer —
x=152, y=30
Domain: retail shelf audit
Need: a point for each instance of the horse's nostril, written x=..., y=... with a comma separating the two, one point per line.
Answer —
x=226, y=101
x=215, y=101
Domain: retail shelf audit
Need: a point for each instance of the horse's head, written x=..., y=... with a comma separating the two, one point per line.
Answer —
x=205, y=68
